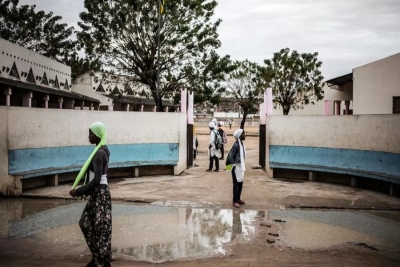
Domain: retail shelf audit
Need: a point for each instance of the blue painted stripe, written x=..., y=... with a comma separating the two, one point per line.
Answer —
x=73, y=157
x=373, y=164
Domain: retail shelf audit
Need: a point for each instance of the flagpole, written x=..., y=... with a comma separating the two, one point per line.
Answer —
x=158, y=55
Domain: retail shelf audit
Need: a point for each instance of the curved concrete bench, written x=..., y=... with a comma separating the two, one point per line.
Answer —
x=370, y=164
x=37, y=162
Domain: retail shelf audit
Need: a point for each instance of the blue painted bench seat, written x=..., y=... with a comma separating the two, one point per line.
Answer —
x=370, y=164
x=28, y=163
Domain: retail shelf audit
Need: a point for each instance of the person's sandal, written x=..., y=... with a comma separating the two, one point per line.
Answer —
x=236, y=205
x=241, y=202
x=216, y=170
x=209, y=170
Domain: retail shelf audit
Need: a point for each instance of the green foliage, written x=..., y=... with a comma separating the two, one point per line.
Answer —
x=296, y=79
x=42, y=33
x=38, y=31
x=123, y=34
x=80, y=66
x=246, y=85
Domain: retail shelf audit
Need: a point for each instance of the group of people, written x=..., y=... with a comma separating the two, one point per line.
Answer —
x=236, y=157
x=96, y=219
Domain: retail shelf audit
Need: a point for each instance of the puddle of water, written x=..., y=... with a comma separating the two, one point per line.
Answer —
x=307, y=229
x=146, y=232
x=156, y=234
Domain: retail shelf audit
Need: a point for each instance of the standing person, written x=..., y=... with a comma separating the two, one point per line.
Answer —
x=222, y=133
x=230, y=124
x=237, y=157
x=96, y=220
x=215, y=122
x=195, y=143
x=213, y=152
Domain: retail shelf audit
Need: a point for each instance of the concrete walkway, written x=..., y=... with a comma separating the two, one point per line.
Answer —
x=197, y=188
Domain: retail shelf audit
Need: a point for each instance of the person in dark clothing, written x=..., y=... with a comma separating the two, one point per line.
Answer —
x=96, y=219
x=222, y=133
x=230, y=124
x=237, y=157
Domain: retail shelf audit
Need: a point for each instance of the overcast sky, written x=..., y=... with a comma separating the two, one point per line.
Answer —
x=345, y=33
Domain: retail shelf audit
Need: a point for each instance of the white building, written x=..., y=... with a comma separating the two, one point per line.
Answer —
x=32, y=80
x=373, y=88
x=133, y=96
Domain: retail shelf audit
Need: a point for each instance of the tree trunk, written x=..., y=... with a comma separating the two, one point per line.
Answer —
x=286, y=111
x=158, y=102
x=243, y=119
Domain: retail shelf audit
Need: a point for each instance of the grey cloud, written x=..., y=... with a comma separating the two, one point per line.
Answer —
x=346, y=33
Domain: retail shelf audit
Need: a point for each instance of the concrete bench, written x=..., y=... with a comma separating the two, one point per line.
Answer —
x=51, y=162
x=359, y=163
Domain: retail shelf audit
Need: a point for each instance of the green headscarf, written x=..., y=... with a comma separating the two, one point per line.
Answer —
x=99, y=129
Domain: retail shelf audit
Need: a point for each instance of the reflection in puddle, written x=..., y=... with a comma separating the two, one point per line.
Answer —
x=147, y=232
x=157, y=234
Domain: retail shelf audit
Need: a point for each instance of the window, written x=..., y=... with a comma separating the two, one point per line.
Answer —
x=44, y=79
x=396, y=105
x=31, y=77
x=14, y=71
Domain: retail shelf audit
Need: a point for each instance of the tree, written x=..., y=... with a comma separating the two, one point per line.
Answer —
x=246, y=85
x=296, y=79
x=123, y=34
x=80, y=66
x=37, y=31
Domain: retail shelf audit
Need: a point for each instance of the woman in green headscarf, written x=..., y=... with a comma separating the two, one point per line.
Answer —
x=96, y=220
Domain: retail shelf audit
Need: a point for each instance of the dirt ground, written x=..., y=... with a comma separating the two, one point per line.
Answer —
x=260, y=193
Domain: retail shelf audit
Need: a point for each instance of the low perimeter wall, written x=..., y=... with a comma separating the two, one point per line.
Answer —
x=46, y=141
x=363, y=145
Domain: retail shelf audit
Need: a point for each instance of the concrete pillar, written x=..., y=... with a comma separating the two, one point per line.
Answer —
x=52, y=180
x=60, y=102
x=177, y=109
x=82, y=104
x=141, y=108
x=312, y=176
x=69, y=104
x=91, y=106
x=46, y=99
x=96, y=106
x=183, y=100
x=127, y=107
x=155, y=108
x=338, y=103
x=328, y=107
x=8, y=93
x=110, y=108
x=347, y=104
x=27, y=100
x=354, y=182
x=391, y=192
x=166, y=109
x=136, y=172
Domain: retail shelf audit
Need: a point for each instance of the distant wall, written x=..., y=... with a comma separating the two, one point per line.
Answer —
x=343, y=144
x=319, y=107
x=375, y=84
x=43, y=139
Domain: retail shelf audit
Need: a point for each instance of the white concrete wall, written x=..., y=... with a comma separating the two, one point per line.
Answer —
x=319, y=107
x=41, y=128
x=369, y=132
x=375, y=84
x=26, y=59
x=5, y=179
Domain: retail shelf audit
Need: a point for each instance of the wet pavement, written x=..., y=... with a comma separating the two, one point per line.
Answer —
x=155, y=233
